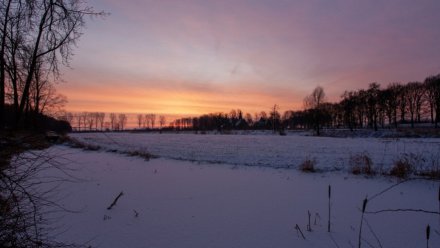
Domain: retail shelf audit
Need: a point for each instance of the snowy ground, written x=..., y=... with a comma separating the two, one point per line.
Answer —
x=272, y=150
x=186, y=204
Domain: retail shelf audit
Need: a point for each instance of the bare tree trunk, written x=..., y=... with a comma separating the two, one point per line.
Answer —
x=2, y=66
x=33, y=59
x=437, y=116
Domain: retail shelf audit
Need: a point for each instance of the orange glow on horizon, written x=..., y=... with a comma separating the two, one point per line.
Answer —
x=173, y=102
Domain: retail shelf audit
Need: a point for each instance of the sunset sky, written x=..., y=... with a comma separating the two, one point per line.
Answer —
x=199, y=56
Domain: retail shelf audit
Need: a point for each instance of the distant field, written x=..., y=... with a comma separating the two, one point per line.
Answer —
x=276, y=151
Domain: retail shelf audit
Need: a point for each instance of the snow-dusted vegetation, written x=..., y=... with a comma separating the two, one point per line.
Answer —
x=274, y=150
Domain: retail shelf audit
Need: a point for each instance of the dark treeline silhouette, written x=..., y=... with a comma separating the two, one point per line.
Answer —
x=234, y=120
x=375, y=107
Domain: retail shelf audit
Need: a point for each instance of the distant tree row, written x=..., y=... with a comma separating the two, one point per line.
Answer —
x=235, y=119
x=96, y=121
x=148, y=121
x=375, y=107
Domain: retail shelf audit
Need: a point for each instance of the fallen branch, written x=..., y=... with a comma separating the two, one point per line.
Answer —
x=299, y=230
x=115, y=200
x=402, y=210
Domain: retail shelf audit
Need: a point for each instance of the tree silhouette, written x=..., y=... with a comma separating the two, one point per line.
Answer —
x=313, y=103
x=36, y=38
x=122, y=121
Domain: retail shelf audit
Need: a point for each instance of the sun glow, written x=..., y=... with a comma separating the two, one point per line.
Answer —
x=174, y=102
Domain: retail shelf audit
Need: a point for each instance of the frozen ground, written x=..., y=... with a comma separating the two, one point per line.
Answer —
x=185, y=204
x=272, y=150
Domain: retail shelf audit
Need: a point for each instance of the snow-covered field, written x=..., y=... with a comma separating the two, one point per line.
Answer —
x=271, y=150
x=185, y=204
x=170, y=203
x=202, y=192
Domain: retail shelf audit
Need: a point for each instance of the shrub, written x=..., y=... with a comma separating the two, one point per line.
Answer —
x=145, y=155
x=432, y=173
x=361, y=164
x=402, y=168
x=308, y=165
x=74, y=143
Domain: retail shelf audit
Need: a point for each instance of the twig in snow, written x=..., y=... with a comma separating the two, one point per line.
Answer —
x=115, y=200
x=395, y=185
x=374, y=234
x=298, y=230
x=317, y=217
x=329, y=212
x=364, y=206
x=428, y=231
x=309, y=227
x=334, y=241
x=368, y=243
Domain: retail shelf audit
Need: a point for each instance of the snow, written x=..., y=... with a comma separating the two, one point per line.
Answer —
x=271, y=150
x=198, y=204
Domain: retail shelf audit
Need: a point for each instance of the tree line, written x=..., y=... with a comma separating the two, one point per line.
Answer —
x=375, y=107
x=37, y=37
x=99, y=121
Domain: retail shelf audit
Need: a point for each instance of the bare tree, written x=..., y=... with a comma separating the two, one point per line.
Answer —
x=68, y=116
x=90, y=120
x=162, y=121
x=248, y=118
x=313, y=103
x=153, y=120
x=6, y=17
x=16, y=50
x=402, y=101
x=414, y=96
x=36, y=38
x=391, y=94
x=100, y=119
x=140, y=119
x=432, y=87
x=275, y=117
x=233, y=114
x=122, y=121
x=78, y=118
x=50, y=102
x=113, y=120
x=147, y=121
x=57, y=27
x=373, y=104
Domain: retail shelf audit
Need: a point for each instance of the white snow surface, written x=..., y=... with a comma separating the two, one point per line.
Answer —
x=272, y=150
x=186, y=204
